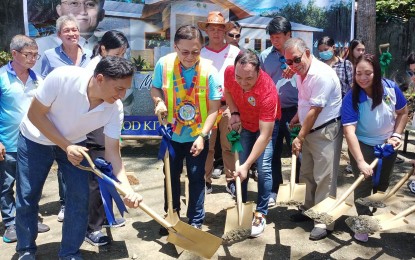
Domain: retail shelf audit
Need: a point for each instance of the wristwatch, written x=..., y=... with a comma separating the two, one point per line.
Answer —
x=204, y=136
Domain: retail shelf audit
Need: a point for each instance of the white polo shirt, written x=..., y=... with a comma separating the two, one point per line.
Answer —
x=320, y=88
x=65, y=92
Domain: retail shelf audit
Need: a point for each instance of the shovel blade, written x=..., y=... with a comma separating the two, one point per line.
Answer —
x=327, y=211
x=194, y=240
x=286, y=194
x=173, y=219
x=298, y=194
x=389, y=221
x=232, y=217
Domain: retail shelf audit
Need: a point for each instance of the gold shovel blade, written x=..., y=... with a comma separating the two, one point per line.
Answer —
x=194, y=240
x=387, y=221
x=297, y=194
x=232, y=217
x=328, y=211
x=173, y=219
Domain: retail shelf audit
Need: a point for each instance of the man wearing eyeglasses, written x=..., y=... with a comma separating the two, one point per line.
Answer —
x=273, y=63
x=321, y=135
x=222, y=55
x=88, y=13
x=234, y=34
x=18, y=84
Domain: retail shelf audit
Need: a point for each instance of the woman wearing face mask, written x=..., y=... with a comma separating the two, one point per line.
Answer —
x=343, y=68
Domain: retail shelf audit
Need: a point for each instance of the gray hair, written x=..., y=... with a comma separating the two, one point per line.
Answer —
x=64, y=19
x=297, y=43
x=21, y=41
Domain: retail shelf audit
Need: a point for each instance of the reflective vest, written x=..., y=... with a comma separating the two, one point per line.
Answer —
x=176, y=96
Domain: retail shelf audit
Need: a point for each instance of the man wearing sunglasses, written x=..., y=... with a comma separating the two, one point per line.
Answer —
x=234, y=34
x=222, y=55
x=321, y=135
x=273, y=63
x=88, y=13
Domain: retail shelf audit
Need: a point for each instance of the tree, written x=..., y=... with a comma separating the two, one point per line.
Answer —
x=400, y=10
x=366, y=24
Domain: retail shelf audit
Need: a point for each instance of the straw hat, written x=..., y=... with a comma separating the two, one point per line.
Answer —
x=215, y=17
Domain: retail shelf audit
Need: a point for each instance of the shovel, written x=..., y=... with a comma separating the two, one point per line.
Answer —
x=172, y=217
x=180, y=234
x=369, y=224
x=330, y=209
x=292, y=194
x=380, y=199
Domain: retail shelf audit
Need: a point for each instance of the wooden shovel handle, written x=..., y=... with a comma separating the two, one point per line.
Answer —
x=293, y=170
x=122, y=191
x=238, y=190
x=404, y=213
x=400, y=183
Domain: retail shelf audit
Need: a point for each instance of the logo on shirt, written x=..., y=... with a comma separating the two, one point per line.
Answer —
x=387, y=99
x=251, y=100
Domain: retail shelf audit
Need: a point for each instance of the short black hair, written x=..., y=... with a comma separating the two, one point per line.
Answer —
x=279, y=24
x=111, y=40
x=326, y=40
x=410, y=59
x=188, y=32
x=248, y=57
x=115, y=67
x=236, y=25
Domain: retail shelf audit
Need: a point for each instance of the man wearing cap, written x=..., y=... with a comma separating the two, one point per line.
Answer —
x=222, y=55
x=272, y=62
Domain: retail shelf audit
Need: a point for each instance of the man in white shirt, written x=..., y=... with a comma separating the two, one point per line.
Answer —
x=71, y=103
x=222, y=55
x=321, y=135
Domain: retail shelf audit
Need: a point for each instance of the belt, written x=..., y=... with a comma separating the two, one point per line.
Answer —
x=325, y=124
x=289, y=109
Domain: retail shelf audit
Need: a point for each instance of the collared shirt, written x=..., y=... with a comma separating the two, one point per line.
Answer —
x=57, y=57
x=215, y=92
x=320, y=88
x=344, y=70
x=15, y=99
x=65, y=93
x=261, y=103
x=375, y=126
x=221, y=59
x=287, y=88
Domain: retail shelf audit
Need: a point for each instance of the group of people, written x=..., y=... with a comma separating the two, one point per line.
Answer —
x=203, y=92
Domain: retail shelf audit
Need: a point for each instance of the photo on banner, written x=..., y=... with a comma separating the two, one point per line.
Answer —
x=150, y=26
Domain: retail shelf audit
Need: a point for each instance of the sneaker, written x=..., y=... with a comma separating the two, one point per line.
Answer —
x=61, y=214
x=349, y=168
x=26, y=256
x=42, y=228
x=10, y=234
x=208, y=188
x=119, y=222
x=318, y=233
x=272, y=199
x=97, y=238
x=411, y=186
x=361, y=237
x=216, y=173
x=198, y=226
x=258, y=225
x=231, y=188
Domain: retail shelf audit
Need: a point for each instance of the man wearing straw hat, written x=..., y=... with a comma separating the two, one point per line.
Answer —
x=222, y=55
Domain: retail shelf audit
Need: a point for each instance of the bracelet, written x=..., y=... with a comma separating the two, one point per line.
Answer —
x=235, y=113
x=396, y=135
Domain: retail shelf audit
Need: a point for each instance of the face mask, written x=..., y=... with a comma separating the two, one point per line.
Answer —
x=326, y=55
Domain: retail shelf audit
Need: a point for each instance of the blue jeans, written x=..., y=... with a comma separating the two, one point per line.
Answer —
x=33, y=165
x=196, y=175
x=264, y=163
x=62, y=187
x=282, y=133
x=7, y=179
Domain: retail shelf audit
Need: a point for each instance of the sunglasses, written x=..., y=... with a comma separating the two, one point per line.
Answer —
x=295, y=60
x=283, y=62
x=234, y=35
x=410, y=73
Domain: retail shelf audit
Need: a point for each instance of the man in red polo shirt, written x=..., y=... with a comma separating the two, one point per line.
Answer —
x=254, y=104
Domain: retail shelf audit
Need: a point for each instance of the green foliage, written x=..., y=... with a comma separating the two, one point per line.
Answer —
x=394, y=10
x=158, y=41
x=140, y=63
x=5, y=57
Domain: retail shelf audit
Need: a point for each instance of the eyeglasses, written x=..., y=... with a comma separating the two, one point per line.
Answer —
x=234, y=35
x=30, y=56
x=283, y=63
x=410, y=73
x=295, y=60
x=77, y=4
x=187, y=53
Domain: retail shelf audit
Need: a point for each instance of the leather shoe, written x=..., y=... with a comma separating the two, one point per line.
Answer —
x=318, y=233
x=299, y=217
